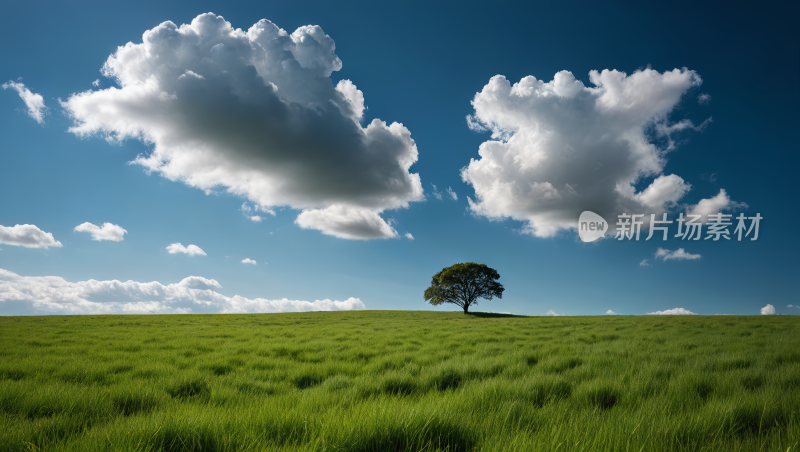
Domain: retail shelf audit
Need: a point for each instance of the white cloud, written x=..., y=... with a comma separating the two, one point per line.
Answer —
x=409, y=236
x=248, y=212
x=667, y=130
x=664, y=190
x=675, y=311
x=53, y=294
x=346, y=222
x=35, y=102
x=610, y=312
x=452, y=194
x=354, y=97
x=191, y=250
x=27, y=235
x=109, y=231
x=255, y=113
x=96, y=83
x=768, y=310
x=551, y=312
x=715, y=204
x=559, y=147
x=247, y=260
x=704, y=99
x=679, y=254
x=644, y=263
x=436, y=193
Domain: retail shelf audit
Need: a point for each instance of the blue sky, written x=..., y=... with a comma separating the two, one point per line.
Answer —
x=343, y=205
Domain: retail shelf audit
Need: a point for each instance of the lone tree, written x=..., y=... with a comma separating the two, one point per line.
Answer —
x=463, y=284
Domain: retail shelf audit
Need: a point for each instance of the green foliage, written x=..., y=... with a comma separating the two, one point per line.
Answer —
x=401, y=381
x=463, y=285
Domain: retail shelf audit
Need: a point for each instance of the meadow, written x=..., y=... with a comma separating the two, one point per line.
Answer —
x=399, y=380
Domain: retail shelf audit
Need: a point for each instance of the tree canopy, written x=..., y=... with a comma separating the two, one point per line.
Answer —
x=463, y=284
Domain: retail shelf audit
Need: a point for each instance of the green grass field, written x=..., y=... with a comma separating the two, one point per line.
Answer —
x=384, y=380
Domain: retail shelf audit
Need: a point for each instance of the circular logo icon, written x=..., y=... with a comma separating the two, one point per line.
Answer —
x=591, y=226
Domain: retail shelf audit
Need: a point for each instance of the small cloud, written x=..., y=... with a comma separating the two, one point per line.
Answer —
x=715, y=204
x=264, y=210
x=409, y=236
x=345, y=222
x=790, y=306
x=192, y=74
x=436, y=193
x=704, y=99
x=551, y=312
x=452, y=194
x=610, y=312
x=644, y=263
x=679, y=254
x=27, y=235
x=249, y=212
x=191, y=250
x=675, y=311
x=96, y=83
x=768, y=310
x=35, y=102
x=247, y=260
x=109, y=231
x=710, y=178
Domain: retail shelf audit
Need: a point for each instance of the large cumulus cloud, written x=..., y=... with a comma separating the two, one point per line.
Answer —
x=559, y=147
x=53, y=294
x=255, y=113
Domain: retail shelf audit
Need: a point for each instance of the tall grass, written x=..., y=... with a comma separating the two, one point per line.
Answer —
x=364, y=381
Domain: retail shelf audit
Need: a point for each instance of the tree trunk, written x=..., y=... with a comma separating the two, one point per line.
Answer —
x=466, y=308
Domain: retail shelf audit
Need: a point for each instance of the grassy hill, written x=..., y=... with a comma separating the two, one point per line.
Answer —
x=399, y=380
